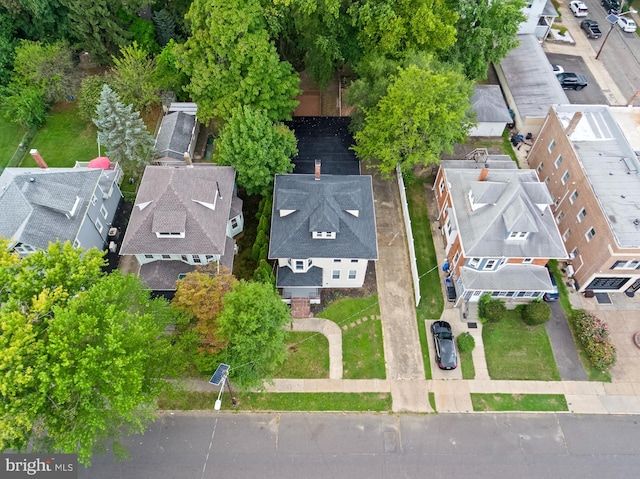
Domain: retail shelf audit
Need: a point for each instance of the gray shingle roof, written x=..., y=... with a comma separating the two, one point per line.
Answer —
x=321, y=205
x=181, y=199
x=484, y=232
x=488, y=104
x=35, y=203
x=285, y=278
x=516, y=277
x=175, y=135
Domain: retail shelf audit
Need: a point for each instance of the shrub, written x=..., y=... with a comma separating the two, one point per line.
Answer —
x=491, y=309
x=536, y=312
x=593, y=333
x=466, y=342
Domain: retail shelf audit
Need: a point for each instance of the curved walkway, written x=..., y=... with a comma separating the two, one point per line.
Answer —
x=333, y=334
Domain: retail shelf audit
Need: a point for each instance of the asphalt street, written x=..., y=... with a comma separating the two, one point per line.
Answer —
x=287, y=446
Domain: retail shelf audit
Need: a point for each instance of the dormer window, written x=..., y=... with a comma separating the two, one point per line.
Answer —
x=518, y=235
x=170, y=234
x=284, y=213
x=324, y=235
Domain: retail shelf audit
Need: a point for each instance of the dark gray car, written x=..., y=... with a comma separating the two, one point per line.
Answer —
x=445, y=345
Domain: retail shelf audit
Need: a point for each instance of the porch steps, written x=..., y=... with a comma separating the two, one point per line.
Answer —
x=300, y=308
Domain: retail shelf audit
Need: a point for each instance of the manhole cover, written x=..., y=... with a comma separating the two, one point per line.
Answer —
x=472, y=325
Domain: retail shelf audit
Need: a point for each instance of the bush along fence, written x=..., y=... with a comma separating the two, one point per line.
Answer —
x=260, y=249
x=593, y=333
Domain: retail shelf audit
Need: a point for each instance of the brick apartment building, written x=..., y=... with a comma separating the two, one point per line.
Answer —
x=592, y=172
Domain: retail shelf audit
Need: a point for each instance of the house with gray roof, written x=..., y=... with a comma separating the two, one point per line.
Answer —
x=44, y=205
x=177, y=136
x=490, y=109
x=323, y=232
x=498, y=229
x=183, y=217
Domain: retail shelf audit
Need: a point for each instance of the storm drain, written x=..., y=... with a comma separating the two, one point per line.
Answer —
x=472, y=325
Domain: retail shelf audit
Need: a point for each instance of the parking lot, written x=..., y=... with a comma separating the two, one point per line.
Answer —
x=591, y=95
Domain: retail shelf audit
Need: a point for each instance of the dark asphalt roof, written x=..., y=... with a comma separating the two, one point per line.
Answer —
x=327, y=139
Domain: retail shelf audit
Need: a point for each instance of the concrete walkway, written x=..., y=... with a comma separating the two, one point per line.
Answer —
x=333, y=334
x=563, y=346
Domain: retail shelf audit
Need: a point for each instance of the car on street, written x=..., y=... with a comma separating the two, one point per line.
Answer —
x=611, y=6
x=557, y=68
x=572, y=81
x=553, y=295
x=445, y=345
x=591, y=28
x=627, y=24
x=578, y=8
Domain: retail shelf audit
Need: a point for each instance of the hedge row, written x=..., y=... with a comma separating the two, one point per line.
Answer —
x=594, y=336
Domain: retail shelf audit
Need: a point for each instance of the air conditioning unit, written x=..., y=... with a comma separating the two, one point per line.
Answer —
x=113, y=247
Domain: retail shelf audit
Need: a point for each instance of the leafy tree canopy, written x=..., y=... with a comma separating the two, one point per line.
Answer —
x=231, y=61
x=252, y=325
x=487, y=31
x=168, y=76
x=199, y=294
x=256, y=148
x=82, y=354
x=392, y=27
x=424, y=112
x=133, y=77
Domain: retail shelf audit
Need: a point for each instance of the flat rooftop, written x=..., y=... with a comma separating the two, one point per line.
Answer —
x=611, y=166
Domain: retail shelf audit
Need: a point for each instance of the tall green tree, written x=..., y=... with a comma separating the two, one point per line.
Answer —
x=89, y=95
x=165, y=27
x=252, y=324
x=424, y=113
x=392, y=27
x=123, y=133
x=133, y=77
x=47, y=66
x=36, y=19
x=257, y=148
x=100, y=26
x=82, y=354
x=487, y=32
x=168, y=76
x=231, y=61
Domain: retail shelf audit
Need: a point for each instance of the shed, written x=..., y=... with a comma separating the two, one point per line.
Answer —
x=491, y=111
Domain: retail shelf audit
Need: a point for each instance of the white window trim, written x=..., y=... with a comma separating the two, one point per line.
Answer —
x=352, y=275
x=551, y=146
x=558, y=161
x=588, y=234
x=335, y=274
x=99, y=226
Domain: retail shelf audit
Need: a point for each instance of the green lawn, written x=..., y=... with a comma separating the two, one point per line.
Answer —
x=64, y=138
x=307, y=356
x=10, y=136
x=256, y=401
x=517, y=351
x=363, y=351
x=431, y=300
x=519, y=402
x=466, y=363
x=362, y=347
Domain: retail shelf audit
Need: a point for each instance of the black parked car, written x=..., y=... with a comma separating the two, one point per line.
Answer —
x=445, y=345
x=591, y=28
x=572, y=81
x=611, y=6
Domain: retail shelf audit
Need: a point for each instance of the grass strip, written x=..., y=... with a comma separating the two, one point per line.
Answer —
x=519, y=402
x=307, y=356
x=466, y=363
x=257, y=401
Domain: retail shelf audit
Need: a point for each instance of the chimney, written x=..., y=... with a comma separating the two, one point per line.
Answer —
x=187, y=159
x=36, y=156
x=317, y=175
x=483, y=173
x=577, y=116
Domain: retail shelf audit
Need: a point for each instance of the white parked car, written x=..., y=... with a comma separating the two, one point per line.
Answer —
x=627, y=24
x=557, y=68
x=579, y=9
